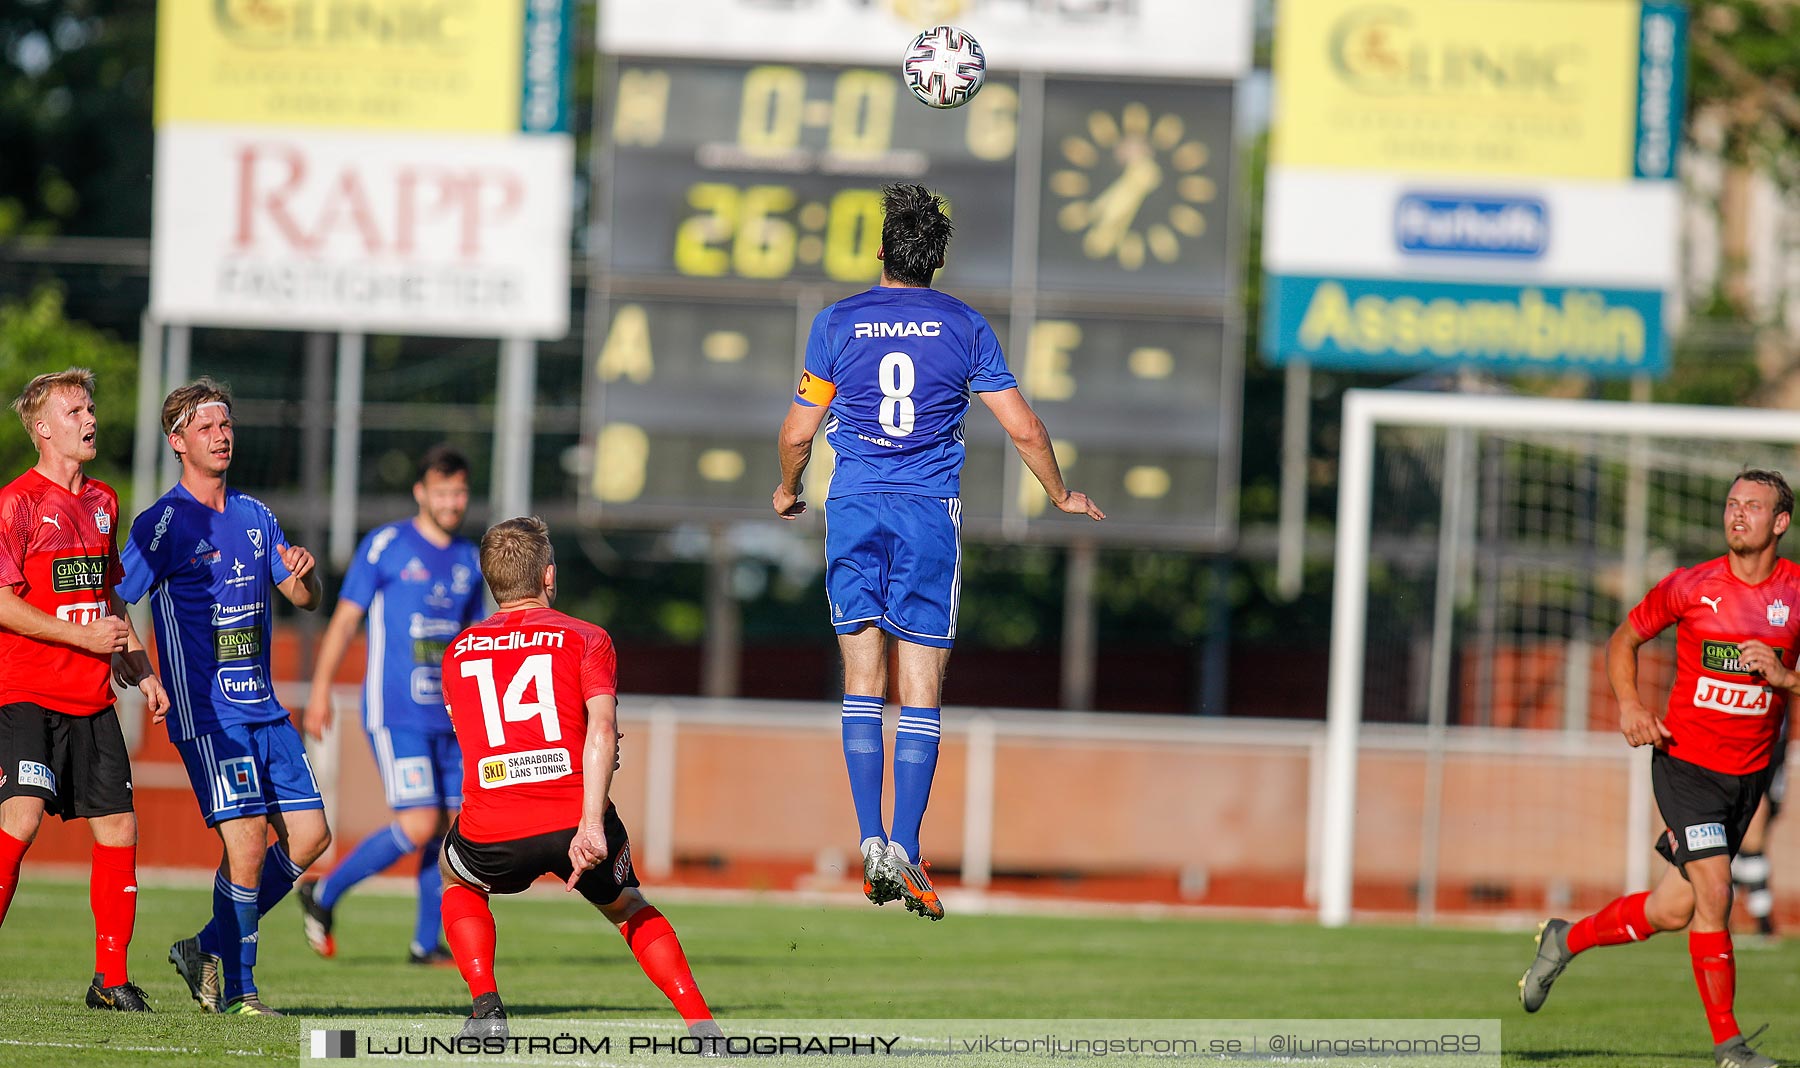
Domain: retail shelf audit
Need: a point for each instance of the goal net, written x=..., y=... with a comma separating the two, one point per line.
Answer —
x=1486, y=548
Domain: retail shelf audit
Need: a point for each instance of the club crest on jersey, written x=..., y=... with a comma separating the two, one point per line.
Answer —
x=102, y=521
x=255, y=537
x=1778, y=613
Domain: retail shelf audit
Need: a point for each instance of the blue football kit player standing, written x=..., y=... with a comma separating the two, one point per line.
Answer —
x=888, y=373
x=420, y=585
x=211, y=560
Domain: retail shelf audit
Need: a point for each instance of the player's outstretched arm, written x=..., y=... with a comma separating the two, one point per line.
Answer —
x=344, y=620
x=301, y=587
x=1028, y=436
x=599, y=754
x=1637, y=723
x=795, y=444
x=105, y=635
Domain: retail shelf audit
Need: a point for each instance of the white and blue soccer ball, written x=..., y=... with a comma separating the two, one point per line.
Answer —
x=944, y=67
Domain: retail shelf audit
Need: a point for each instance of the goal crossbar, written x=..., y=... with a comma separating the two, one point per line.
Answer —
x=1365, y=411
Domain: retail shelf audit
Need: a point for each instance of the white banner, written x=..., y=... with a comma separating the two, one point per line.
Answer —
x=377, y=232
x=1623, y=234
x=1183, y=38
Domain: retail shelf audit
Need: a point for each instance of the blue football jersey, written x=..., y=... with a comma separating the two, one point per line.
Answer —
x=211, y=577
x=418, y=597
x=897, y=367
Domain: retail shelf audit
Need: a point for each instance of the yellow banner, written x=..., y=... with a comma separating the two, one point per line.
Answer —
x=436, y=65
x=1541, y=88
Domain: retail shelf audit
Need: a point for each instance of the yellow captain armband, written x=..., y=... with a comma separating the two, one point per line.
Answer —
x=814, y=390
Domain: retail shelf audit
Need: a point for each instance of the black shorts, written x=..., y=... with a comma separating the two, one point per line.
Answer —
x=77, y=764
x=511, y=866
x=1777, y=778
x=1706, y=811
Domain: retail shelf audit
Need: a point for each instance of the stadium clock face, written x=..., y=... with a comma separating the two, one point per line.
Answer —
x=1133, y=189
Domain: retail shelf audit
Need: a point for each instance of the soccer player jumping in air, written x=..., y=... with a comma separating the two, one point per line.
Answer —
x=64, y=635
x=889, y=372
x=211, y=560
x=420, y=584
x=532, y=694
x=1736, y=633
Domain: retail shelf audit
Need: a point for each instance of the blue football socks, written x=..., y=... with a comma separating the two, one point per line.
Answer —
x=863, y=757
x=430, y=922
x=371, y=856
x=915, y=760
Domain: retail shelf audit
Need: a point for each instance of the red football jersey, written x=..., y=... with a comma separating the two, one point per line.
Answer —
x=57, y=553
x=1720, y=715
x=516, y=686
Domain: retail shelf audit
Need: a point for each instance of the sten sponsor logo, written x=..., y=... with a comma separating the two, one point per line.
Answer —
x=1433, y=224
x=243, y=685
x=1706, y=836
x=71, y=573
x=237, y=643
x=1737, y=698
x=1724, y=657
x=512, y=639
x=932, y=329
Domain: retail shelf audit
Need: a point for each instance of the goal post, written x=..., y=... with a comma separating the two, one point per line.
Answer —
x=1565, y=507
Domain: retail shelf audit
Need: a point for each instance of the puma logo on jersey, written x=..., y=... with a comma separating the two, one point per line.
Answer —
x=899, y=329
x=55, y=521
x=1712, y=603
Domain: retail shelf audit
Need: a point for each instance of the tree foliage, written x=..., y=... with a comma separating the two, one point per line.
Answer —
x=35, y=338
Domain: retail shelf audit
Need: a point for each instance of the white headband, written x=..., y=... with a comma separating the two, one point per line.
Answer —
x=198, y=408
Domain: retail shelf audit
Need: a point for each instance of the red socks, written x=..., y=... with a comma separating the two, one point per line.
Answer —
x=469, y=928
x=1715, y=973
x=12, y=851
x=658, y=952
x=112, y=893
x=1622, y=920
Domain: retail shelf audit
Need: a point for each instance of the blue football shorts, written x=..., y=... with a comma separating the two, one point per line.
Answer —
x=418, y=768
x=895, y=560
x=250, y=769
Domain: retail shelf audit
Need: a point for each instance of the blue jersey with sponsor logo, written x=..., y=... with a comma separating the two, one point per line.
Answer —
x=418, y=597
x=211, y=577
x=897, y=366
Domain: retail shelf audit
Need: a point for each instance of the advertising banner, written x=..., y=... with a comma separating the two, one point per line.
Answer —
x=1184, y=38
x=390, y=166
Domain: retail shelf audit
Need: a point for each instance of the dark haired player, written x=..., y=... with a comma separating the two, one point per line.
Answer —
x=1736, y=631
x=419, y=584
x=889, y=372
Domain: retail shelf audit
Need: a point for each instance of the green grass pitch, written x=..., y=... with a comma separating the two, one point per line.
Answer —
x=1630, y=1006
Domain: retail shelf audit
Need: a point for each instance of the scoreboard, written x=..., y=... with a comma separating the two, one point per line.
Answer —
x=1094, y=227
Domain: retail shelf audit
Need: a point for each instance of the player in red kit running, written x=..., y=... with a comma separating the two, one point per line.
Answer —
x=532, y=696
x=64, y=635
x=1736, y=632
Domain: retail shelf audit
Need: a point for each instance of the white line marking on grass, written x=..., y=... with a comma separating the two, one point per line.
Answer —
x=137, y=1049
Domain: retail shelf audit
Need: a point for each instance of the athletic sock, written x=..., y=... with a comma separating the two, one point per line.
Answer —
x=915, y=761
x=278, y=875
x=1715, y=973
x=372, y=855
x=863, y=758
x=430, y=920
x=469, y=928
x=232, y=935
x=658, y=952
x=12, y=851
x=1621, y=920
x=112, y=893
